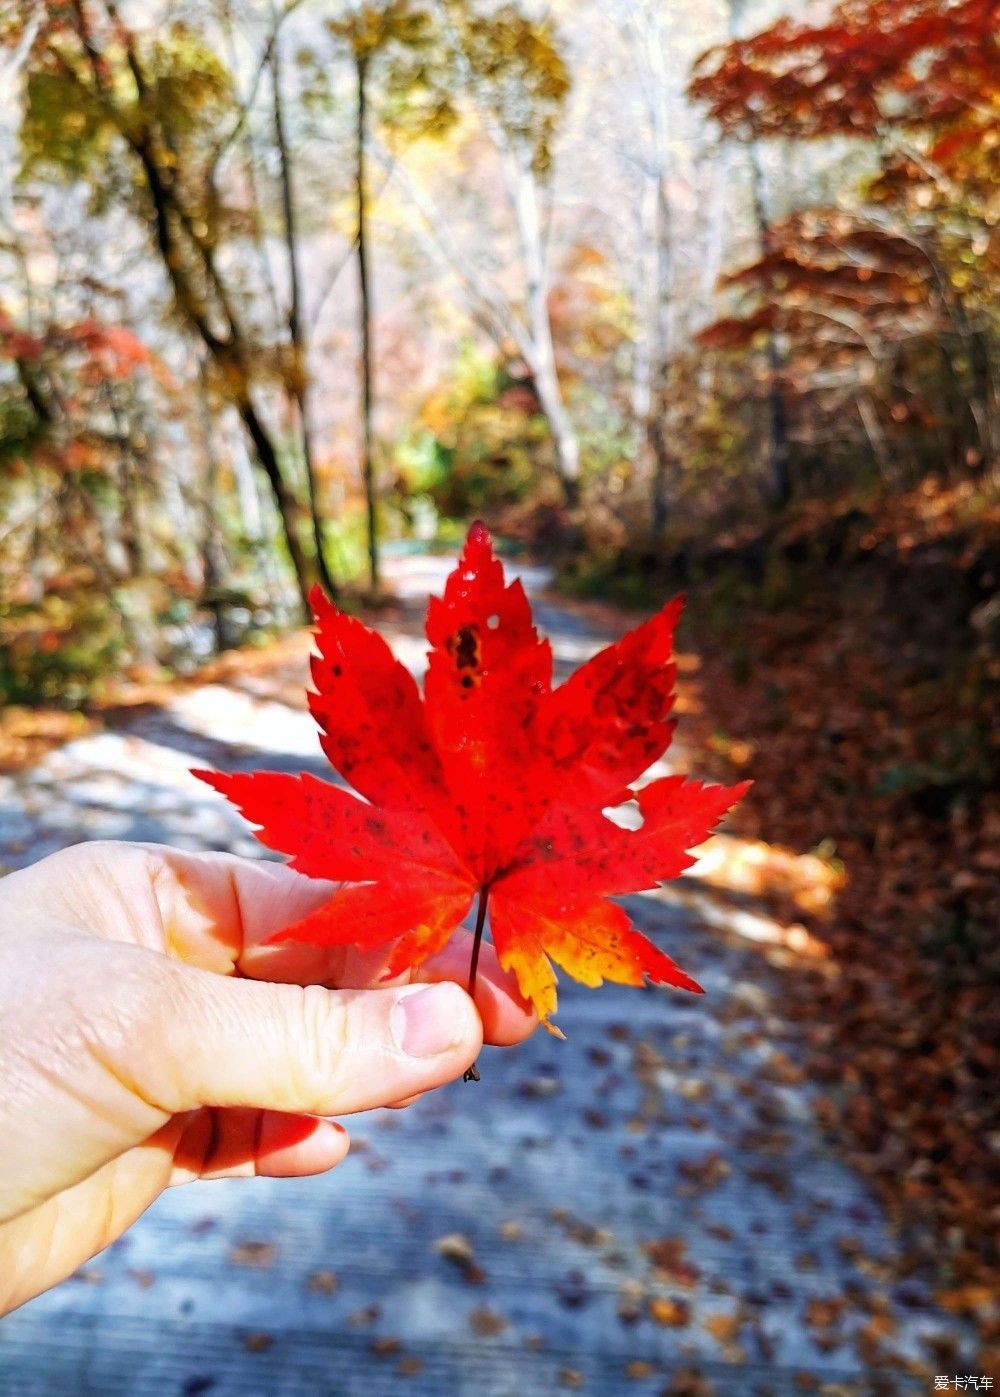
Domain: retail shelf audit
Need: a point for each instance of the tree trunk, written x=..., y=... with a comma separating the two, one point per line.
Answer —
x=868, y=413
x=549, y=393
x=664, y=464
x=663, y=459
x=213, y=559
x=365, y=328
x=777, y=436
x=642, y=357
x=504, y=325
x=659, y=466
x=283, y=497
x=171, y=227
x=779, y=472
x=299, y=385
x=542, y=358
x=214, y=562
x=132, y=537
x=976, y=385
x=717, y=222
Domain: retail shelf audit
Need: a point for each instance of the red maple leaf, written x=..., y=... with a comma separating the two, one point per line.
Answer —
x=493, y=783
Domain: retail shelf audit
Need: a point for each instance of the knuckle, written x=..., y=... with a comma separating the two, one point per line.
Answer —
x=122, y=997
x=121, y=992
x=96, y=854
x=324, y=1030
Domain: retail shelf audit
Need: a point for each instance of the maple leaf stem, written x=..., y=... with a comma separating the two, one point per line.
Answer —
x=472, y=1075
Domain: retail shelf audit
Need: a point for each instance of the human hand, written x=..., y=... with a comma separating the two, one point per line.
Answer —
x=148, y=1037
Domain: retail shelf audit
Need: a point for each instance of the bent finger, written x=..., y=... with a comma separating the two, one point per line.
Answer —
x=242, y=1143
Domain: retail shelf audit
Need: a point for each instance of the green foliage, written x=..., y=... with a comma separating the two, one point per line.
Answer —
x=518, y=67
x=71, y=128
x=191, y=89
x=400, y=45
x=65, y=128
x=607, y=446
x=479, y=443
x=58, y=651
x=19, y=428
x=604, y=576
x=427, y=60
x=347, y=543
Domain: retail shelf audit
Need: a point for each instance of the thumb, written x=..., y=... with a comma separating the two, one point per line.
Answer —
x=306, y=1049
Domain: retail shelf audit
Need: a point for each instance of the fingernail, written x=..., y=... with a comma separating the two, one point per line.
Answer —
x=423, y=1023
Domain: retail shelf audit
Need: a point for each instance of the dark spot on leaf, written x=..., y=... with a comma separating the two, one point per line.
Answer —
x=464, y=646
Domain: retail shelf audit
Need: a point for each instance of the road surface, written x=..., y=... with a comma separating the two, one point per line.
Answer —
x=646, y=1208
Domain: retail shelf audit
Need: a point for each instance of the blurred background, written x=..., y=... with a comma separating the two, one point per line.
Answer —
x=676, y=296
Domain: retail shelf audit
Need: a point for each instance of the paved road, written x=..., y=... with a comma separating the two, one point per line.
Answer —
x=646, y=1208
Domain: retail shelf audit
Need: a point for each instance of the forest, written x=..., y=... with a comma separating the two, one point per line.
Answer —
x=675, y=297
x=281, y=288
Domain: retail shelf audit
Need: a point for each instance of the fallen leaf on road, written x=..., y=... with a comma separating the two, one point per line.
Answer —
x=365, y=1316
x=456, y=1248
x=821, y=1314
x=671, y=1313
x=487, y=1322
x=253, y=1254
x=724, y=1328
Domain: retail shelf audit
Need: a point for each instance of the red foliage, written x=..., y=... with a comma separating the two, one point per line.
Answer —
x=493, y=782
x=833, y=281
x=876, y=64
x=112, y=351
x=869, y=719
x=920, y=81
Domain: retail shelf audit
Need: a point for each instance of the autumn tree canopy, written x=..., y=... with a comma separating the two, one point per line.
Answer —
x=900, y=273
x=378, y=265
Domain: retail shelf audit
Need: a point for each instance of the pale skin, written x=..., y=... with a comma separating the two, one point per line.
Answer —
x=149, y=1037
